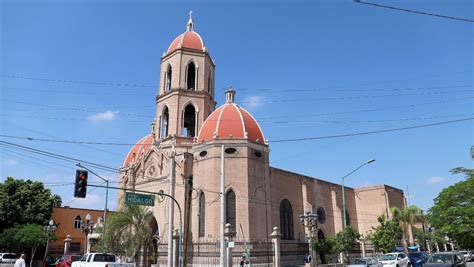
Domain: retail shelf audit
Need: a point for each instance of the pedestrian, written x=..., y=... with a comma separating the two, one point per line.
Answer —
x=21, y=261
x=307, y=259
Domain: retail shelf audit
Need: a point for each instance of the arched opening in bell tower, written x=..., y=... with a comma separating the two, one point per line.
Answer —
x=191, y=76
x=230, y=216
x=189, y=125
x=168, y=76
x=164, y=123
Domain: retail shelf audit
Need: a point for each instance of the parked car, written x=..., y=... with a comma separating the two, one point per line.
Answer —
x=396, y=259
x=66, y=260
x=417, y=259
x=7, y=257
x=446, y=259
x=467, y=255
x=99, y=260
x=367, y=261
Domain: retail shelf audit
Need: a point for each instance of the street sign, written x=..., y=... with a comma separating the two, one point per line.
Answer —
x=139, y=199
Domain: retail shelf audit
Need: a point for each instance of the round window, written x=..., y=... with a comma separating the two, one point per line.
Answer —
x=258, y=154
x=203, y=153
x=230, y=150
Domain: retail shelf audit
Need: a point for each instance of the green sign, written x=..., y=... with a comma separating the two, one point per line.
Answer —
x=139, y=199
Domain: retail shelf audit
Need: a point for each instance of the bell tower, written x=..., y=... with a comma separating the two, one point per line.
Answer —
x=186, y=91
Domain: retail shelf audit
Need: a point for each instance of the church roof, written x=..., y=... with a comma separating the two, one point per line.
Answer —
x=189, y=39
x=138, y=150
x=230, y=121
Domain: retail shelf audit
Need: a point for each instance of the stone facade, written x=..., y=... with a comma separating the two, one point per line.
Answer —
x=265, y=196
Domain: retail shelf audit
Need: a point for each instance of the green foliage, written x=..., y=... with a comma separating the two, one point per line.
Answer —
x=25, y=202
x=330, y=247
x=453, y=210
x=385, y=237
x=31, y=236
x=347, y=239
x=127, y=230
x=8, y=241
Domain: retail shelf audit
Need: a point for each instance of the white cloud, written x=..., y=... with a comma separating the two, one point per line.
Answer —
x=435, y=180
x=254, y=101
x=104, y=116
x=11, y=162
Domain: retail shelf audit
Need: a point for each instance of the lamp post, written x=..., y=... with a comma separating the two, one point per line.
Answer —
x=87, y=227
x=344, y=195
x=310, y=221
x=49, y=230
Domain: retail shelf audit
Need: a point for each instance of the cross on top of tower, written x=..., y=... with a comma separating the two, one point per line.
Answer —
x=190, y=25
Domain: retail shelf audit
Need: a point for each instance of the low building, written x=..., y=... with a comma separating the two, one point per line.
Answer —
x=69, y=222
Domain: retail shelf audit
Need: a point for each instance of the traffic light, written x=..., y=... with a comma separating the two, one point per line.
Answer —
x=80, y=187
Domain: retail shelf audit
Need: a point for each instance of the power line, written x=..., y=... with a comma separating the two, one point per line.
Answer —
x=414, y=11
x=369, y=132
x=274, y=141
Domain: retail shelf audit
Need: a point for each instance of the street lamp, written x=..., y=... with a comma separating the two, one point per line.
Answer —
x=344, y=195
x=49, y=230
x=87, y=227
x=310, y=221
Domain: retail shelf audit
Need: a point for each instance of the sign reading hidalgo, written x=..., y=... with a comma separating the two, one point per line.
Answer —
x=139, y=199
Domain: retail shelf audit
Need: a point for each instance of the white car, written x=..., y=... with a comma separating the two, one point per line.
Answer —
x=99, y=260
x=467, y=255
x=7, y=257
x=396, y=259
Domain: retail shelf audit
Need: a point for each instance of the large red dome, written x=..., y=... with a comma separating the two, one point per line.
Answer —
x=230, y=121
x=138, y=150
x=189, y=39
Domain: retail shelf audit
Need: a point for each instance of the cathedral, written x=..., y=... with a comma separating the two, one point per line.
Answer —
x=193, y=145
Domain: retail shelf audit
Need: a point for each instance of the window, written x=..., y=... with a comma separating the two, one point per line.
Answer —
x=321, y=215
x=230, y=209
x=168, y=76
x=321, y=235
x=348, y=218
x=209, y=81
x=202, y=214
x=77, y=222
x=286, y=219
x=191, y=76
x=189, y=125
x=164, y=123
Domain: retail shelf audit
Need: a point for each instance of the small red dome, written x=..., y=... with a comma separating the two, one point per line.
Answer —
x=138, y=150
x=190, y=40
x=230, y=121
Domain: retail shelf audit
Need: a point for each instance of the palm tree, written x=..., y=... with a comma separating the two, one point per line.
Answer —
x=406, y=218
x=129, y=231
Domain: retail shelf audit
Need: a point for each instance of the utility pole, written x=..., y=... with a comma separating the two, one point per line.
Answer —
x=222, y=234
x=171, y=165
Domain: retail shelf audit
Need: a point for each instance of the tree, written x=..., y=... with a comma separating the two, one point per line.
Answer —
x=128, y=231
x=31, y=236
x=25, y=202
x=406, y=218
x=453, y=210
x=8, y=241
x=385, y=237
x=328, y=248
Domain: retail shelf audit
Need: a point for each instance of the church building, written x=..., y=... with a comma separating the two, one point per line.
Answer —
x=182, y=156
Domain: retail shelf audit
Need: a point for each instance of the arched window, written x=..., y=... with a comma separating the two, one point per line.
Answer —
x=202, y=214
x=321, y=235
x=189, y=125
x=321, y=215
x=230, y=209
x=286, y=219
x=191, y=76
x=348, y=218
x=168, y=76
x=77, y=222
x=164, y=123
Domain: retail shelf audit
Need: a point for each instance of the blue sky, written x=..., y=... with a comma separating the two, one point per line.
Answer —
x=303, y=68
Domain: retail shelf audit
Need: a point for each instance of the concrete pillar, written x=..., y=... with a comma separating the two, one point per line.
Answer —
x=276, y=240
x=445, y=247
x=362, y=245
x=437, y=247
x=67, y=244
x=175, y=248
x=229, y=236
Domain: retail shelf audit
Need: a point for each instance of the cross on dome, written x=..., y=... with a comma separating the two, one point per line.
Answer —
x=190, y=25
